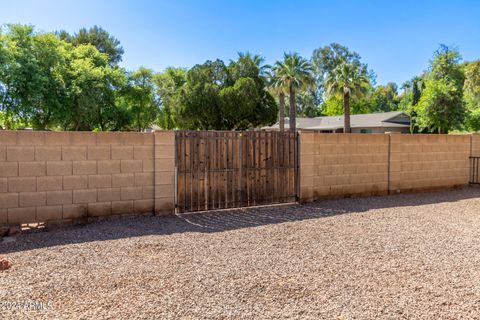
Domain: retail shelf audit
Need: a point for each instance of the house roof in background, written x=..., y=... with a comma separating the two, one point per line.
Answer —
x=367, y=120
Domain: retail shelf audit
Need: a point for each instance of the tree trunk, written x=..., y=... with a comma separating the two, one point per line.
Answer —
x=281, y=111
x=293, y=109
x=346, y=112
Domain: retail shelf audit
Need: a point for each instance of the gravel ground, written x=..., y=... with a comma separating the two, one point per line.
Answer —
x=398, y=257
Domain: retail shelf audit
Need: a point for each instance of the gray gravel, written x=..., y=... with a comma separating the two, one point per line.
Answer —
x=413, y=256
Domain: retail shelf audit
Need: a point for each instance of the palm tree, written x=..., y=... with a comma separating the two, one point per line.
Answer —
x=347, y=80
x=277, y=87
x=293, y=73
x=257, y=59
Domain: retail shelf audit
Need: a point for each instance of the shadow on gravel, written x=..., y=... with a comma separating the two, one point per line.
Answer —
x=218, y=221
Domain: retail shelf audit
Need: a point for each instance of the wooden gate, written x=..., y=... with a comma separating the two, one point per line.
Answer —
x=231, y=169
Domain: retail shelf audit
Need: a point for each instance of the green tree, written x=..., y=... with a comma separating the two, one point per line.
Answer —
x=308, y=103
x=326, y=59
x=441, y=106
x=32, y=77
x=216, y=96
x=347, y=80
x=99, y=38
x=471, y=91
x=93, y=87
x=295, y=73
x=384, y=98
x=168, y=84
x=278, y=88
x=141, y=96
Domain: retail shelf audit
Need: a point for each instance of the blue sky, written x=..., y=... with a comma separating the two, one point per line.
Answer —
x=396, y=38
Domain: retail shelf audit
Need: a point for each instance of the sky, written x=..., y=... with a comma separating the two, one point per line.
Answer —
x=396, y=38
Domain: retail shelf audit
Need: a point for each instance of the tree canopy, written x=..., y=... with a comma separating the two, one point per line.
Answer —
x=63, y=81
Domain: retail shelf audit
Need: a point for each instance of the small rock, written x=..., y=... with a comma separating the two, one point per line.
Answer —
x=14, y=230
x=4, y=264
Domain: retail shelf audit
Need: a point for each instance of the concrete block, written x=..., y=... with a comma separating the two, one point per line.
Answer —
x=148, y=192
x=49, y=213
x=84, y=196
x=84, y=167
x=30, y=138
x=108, y=194
x=84, y=138
x=165, y=205
x=32, y=199
x=148, y=165
x=3, y=153
x=74, y=211
x=3, y=185
x=21, y=215
x=75, y=182
x=122, y=207
x=122, y=152
x=167, y=177
x=8, y=169
x=165, y=151
x=8, y=138
x=59, y=197
x=74, y=153
x=123, y=180
x=144, y=179
x=32, y=169
x=59, y=138
x=131, y=193
x=143, y=152
x=17, y=153
x=3, y=217
x=164, y=191
x=131, y=166
x=109, y=138
x=59, y=168
x=100, y=181
x=165, y=138
x=164, y=164
x=143, y=206
x=137, y=138
x=98, y=152
x=307, y=137
x=108, y=166
x=8, y=200
x=100, y=209
x=22, y=184
x=50, y=183
x=46, y=153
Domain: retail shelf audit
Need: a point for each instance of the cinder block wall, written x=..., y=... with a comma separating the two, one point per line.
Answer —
x=475, y=145
x=428, y=161
x=51, y=176
x=333, y=165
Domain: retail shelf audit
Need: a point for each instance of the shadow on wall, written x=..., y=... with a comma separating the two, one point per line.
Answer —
x=218, y=221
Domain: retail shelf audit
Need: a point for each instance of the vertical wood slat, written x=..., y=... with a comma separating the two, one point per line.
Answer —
x=218, y=170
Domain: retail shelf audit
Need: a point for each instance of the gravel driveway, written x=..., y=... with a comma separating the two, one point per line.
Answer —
x=397, y=257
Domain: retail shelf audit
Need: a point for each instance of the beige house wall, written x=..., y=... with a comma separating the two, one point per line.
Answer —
x=382, y=130
x=55, y=176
